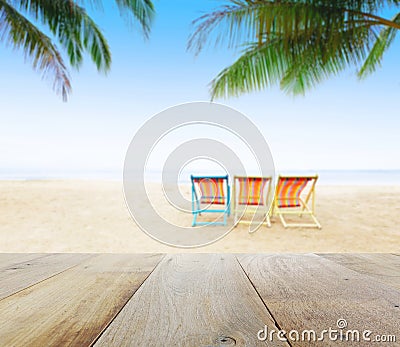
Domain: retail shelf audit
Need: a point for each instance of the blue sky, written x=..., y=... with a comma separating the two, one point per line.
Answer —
x=342, y=124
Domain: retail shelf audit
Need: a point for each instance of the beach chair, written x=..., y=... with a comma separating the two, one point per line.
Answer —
x=210, y=194
x=292, y=197
x=251, y=196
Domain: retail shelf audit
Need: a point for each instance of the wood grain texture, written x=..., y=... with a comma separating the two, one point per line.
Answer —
x=310, y=292
x=384, y=268
x=73, y=307
x=192, y=300
x=26, y=271
x=9, y=259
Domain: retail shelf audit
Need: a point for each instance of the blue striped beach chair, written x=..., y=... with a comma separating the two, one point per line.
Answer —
x=210, y=194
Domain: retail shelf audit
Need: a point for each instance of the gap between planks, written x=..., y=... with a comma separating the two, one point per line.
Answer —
x=266, y=307
x=111, y=320
x=308, y=292
x=192, y=300
x=72, y=308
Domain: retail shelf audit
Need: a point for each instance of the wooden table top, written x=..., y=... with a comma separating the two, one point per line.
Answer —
x=199, y=299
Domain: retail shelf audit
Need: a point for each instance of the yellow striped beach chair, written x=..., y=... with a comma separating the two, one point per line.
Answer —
x=208, y=191
x=251, y=197
x=292, y=197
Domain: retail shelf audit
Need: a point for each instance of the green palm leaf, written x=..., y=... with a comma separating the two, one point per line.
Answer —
x=382, y=43
x=17, y=31
x=247, y=20
x=141, y=10
x=297, y=44
x=71, y=26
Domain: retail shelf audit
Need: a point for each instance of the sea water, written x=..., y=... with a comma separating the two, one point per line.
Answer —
x=326, y=177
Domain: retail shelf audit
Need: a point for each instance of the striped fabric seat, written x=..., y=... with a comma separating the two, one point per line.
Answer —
x=252, y=200
x=251, y=190
x=295, y=197
x=212, y=190
x=289, y=190
x=208, y=191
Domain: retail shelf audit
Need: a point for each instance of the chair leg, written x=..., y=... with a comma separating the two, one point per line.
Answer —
x=194, y=220
x=300, y=225
x=268, y=221
x=317, y=224
x=283, y=221
x=235, y=220
x=316, y=221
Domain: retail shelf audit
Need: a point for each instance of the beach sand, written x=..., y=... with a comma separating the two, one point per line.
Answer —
x=91, y=216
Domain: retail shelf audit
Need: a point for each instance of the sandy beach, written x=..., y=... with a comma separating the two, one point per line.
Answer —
x=91, y=216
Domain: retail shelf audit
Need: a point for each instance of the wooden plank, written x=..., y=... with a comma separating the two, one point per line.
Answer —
x=27, y=271
x=10, y=259
x=72, y=308
x=192, y=300
x=308, y=292
x=384, y=268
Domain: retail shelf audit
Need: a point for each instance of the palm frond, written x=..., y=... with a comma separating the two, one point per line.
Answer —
x=257, y=68
x=251, y=21
x=296, y=65
x=296, y=43
x=141, y=10
x=382, y=43
x=20, y=33
x=315, y=62
x=73, y=27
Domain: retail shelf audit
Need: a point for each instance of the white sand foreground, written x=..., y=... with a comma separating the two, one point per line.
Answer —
x=91, y=216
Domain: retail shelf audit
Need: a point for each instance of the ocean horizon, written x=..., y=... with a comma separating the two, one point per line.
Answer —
x=326, y=177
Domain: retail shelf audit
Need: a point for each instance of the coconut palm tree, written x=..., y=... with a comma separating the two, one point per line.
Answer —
x=295, y=43
x=23, y=24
